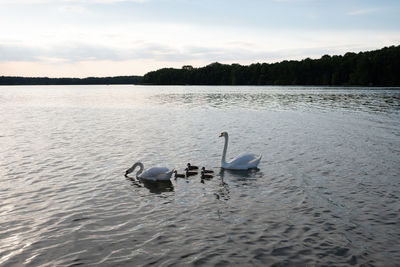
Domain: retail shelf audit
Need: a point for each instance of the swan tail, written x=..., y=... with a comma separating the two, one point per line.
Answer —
x=254, y=163
x=165, y=176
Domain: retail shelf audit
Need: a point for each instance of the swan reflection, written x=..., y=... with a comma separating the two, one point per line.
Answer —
x=241, y=174
x=156, y=187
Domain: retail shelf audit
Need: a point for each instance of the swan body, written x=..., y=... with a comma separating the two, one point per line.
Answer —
x=151, y=174
x=243, y=161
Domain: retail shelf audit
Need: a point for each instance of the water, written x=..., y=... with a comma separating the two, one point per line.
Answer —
x=326, y=192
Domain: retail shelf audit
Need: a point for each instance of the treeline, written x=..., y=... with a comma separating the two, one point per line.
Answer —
x=10, y=80
x=373, y=68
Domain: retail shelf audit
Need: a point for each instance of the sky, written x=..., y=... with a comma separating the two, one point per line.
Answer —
x=82, y=38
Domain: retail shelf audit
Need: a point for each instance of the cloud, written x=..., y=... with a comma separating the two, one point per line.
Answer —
x=59, y=52
x=86, y=52
x=17, y=53
x=362, y=12
x=79, y=52
x=149, y=48
x=271, y=47
x=72, y=9
x=76, y=52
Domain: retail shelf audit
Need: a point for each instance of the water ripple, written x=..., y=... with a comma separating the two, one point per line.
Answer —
x=326, y=193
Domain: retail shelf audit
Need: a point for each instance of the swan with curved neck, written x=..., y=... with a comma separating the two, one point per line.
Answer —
x=244, y=161
x=152, y=174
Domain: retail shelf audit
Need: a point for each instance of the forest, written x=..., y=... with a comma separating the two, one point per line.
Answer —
x=11, y=80
x=373, y=68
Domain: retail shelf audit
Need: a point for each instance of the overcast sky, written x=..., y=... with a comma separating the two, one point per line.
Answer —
x=80, y=38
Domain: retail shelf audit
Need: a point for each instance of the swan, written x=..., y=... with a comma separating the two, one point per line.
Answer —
x=152, y=174
x=192, y=167
x=203, y=169
x=244, y=161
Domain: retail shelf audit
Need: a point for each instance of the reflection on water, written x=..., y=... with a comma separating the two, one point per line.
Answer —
x=223, y=190
x=156, y=187
x=242, y=174
x=378, y=101
x=245, y=97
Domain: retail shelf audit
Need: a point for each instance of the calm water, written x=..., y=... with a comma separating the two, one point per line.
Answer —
x=326, y=193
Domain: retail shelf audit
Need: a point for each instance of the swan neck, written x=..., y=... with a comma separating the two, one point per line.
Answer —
x=141, y=167
x=223, y=160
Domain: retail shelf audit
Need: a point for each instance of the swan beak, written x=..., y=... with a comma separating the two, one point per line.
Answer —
x=221, y=135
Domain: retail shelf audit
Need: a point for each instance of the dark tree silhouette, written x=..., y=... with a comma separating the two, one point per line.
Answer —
x=10, y=80
x=373, y=68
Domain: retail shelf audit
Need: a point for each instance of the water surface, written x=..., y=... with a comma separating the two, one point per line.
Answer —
x=326, y=192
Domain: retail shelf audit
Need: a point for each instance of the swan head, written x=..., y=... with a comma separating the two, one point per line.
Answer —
x=128, y=171
x=131, y=169
x=223, y=134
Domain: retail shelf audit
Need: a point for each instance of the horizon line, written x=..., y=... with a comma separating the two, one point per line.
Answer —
x=214, y=62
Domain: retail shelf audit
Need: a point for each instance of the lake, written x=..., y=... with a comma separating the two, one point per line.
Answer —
x=325, y=193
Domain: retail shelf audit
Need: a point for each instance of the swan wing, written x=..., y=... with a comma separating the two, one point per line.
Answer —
x=156, y=173
x=164, y=176
x=243, y=161
x=254, y=163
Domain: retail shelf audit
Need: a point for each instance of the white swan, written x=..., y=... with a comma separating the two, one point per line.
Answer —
x=152, y=174
x=244, y=161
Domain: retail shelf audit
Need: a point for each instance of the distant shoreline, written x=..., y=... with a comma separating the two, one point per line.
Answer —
x=378, y=68
x=294, y=87
x=16, y=80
